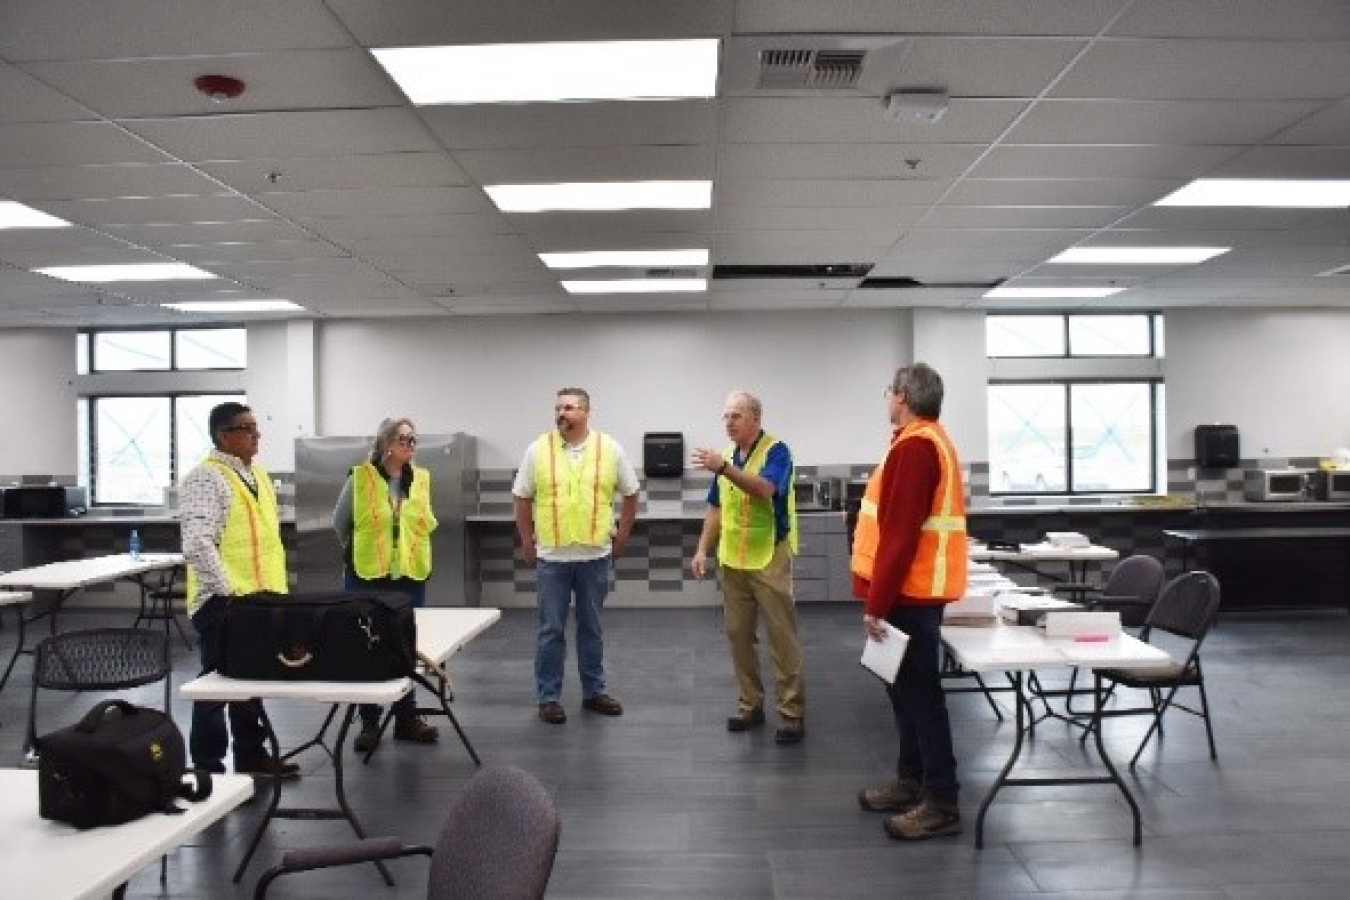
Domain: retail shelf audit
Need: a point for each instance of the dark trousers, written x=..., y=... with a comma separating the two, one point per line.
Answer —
x=208, y=740
x=920, y=704
x=405, y=706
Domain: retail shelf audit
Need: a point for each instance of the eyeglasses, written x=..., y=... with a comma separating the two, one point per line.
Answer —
x=567, y=407
x=407, y=440
x=243, y=429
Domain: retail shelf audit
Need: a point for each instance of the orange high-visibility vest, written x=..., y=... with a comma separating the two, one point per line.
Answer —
x=940, y=562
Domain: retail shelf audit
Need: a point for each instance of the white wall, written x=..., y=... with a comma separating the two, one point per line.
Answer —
x=1282, y=377
x=37, y=370
x=820, y=376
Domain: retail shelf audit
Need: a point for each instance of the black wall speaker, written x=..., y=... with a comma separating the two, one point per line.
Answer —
x=663, y=454
x=1217, y=446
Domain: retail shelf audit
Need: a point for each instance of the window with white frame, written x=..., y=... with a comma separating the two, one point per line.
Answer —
x=1078, y=407
x=144, y=431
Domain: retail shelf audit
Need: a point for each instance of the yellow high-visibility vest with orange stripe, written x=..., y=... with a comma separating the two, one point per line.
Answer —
x=250, y=545
x=375, y=554
x=574, y=501
x=749, y=528
x=940, y=564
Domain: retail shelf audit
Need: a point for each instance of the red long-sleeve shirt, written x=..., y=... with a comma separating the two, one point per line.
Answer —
x=908, y=482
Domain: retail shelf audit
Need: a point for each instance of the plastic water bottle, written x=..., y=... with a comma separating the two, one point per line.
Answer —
x=134, y=544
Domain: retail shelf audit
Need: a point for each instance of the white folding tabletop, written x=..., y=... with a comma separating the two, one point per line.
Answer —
x=53, y=861
x=67, y=577
x=1017, y=649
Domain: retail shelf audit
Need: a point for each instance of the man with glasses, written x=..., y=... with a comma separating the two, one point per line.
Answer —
x=231, y=536
x=909, y=560
x=564, y=506
x=752, y=519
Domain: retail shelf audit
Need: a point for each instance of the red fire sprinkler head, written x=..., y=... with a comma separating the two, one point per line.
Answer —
x=219, y=87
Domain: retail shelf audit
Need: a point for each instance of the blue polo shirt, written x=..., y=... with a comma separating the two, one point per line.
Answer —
x=777, y=469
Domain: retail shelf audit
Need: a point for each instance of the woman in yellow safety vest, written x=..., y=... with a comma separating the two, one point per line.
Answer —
x=384, y=522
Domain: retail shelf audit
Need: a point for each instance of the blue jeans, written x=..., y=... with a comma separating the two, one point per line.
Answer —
x=208, y=740
x=920, y=704
x=404, y=706
x=558, y=582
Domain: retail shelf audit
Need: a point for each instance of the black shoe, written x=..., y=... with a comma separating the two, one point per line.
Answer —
x=552, y=713
x=415, y=729
x=368, y=739
x=267, y=767
x=603, y=704
x=744, y=721
x=790, y=732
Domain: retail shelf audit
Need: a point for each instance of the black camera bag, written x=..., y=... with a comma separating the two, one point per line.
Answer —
x=118, y=763
x=322, y=636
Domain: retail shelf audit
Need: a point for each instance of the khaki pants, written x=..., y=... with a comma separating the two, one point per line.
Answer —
x=745, y=594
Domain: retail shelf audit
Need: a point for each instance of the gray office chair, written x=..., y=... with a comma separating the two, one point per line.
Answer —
x=1179, y=620
x=1130, y=590
x=498, y=841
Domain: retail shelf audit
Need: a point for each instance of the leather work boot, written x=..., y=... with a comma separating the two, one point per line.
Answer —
x=929, y=819
x=900, y=795
x=415, y=729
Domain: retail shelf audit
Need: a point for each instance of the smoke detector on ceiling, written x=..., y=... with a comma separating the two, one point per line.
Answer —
x=219, y=87
x=916, y=106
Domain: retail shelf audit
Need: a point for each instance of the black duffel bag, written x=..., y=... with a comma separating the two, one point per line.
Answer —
x=118, y=763
x=369, y=636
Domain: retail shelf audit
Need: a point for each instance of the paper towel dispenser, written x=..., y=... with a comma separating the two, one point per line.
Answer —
x=1217, y=446
x=663, y=454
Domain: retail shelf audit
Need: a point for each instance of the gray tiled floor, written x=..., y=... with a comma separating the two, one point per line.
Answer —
x=663, y=802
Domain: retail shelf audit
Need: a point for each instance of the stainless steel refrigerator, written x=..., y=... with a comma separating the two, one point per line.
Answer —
x=322, y=465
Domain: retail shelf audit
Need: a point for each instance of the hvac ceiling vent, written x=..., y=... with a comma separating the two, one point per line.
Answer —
x=815, y=272
x=854, y=64
x=904, y=282
x=809, y=70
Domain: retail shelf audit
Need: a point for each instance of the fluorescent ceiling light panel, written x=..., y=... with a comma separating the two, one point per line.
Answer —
x=16, y=215
x=553, y=72
x=592, y=196
x=637, y=286
x=1271, y=192
x=229, y=306
x=137, y=272
x=592, y=259
x=1051, y=293
x=1137, y=256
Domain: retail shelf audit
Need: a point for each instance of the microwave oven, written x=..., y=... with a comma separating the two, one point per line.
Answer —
x=1332, y=484
x=1277, y=485
x=816, y=494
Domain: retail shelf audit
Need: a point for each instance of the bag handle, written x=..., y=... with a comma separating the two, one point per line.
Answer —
x=279, y=630
x=92, y=719
x=201, y=791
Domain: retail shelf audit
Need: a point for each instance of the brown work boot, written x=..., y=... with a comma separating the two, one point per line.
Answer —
x=900, y=795
x=929, y=819
x=552, y=712
x=415, y=729
x=604, y=704
x=744, y=721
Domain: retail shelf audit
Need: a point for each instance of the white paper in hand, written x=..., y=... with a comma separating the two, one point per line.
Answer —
x=883, y=657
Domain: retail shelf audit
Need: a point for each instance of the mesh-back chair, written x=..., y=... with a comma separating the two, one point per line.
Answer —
x=99, y=659
x=1130, y=590
x=499, y=841
x=1179, y=621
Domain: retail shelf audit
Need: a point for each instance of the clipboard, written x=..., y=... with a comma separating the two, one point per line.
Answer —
x=883, y=658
